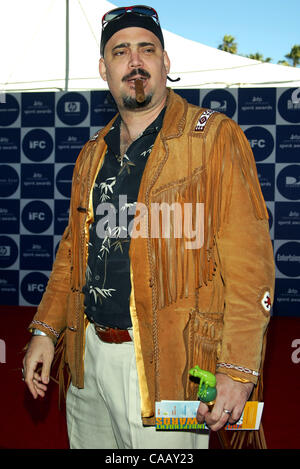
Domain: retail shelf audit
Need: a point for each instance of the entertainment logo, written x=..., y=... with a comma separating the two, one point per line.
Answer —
x=288, y=259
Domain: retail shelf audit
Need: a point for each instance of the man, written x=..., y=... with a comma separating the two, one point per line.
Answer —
x=136, y=304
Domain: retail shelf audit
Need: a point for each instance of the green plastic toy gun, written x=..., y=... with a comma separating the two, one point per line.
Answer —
x=207, y=391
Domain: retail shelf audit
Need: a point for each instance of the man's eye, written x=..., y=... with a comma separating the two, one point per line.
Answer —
x=119, y=52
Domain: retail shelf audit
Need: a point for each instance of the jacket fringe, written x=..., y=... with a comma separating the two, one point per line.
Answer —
x=206, y=187
x=61, y=373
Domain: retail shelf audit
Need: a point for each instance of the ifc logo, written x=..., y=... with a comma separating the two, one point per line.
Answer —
x=33, y=286
x=37, y=216
x=37, y=145
x=261, y=142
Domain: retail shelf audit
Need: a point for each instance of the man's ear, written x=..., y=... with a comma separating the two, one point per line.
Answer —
x=102, y=69
x=167, y=63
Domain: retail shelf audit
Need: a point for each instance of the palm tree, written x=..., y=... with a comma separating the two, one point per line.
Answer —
x=294, y=55
x=283, y=62
x=228, y=44
x=258, y=56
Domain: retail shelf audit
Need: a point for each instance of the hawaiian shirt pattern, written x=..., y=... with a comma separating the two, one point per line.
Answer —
x=107, y=289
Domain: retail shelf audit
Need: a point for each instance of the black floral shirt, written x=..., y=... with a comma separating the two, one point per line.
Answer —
x=115, y=193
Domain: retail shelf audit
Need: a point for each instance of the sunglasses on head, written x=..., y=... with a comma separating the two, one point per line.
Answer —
x=142, y=10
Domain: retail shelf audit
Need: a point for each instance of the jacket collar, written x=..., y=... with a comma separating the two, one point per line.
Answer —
x=174, y=119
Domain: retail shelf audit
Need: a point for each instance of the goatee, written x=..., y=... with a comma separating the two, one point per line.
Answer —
x=131, y=103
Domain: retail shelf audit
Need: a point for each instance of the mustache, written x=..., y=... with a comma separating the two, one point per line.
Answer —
x=136, y=71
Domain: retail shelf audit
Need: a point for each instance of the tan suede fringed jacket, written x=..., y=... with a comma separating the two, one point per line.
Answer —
x=206, y=306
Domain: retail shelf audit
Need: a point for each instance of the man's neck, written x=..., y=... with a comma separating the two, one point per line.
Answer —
x=135, y=122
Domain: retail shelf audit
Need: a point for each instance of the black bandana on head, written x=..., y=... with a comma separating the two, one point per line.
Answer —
x=130, y=20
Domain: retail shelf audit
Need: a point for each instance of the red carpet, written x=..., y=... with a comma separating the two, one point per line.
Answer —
x=28, y=424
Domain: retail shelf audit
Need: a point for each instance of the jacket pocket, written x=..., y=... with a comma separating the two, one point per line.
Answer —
x=203, y=338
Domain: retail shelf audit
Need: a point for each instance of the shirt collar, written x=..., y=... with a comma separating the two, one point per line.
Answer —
x=112, y=138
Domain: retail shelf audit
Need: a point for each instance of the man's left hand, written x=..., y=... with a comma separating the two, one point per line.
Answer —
x=231, y=396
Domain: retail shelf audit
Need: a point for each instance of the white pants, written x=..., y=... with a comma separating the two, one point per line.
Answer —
x=107, y=413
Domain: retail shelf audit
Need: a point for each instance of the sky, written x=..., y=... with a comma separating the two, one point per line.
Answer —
x=270, y=27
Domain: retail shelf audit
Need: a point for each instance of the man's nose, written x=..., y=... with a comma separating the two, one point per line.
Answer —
x=135, y=59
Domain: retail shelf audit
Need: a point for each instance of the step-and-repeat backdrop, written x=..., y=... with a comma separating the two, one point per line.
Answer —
x=41, y=135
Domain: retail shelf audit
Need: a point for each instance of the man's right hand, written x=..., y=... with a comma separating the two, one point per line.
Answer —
x=40, y=352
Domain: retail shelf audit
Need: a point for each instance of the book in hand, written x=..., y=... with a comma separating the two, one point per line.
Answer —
x=181, y=415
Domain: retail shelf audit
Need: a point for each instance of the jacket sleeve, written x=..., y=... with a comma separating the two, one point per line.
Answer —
x=246, y=258
x=51, y=315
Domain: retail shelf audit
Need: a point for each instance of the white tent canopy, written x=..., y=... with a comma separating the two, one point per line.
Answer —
x=36, y=55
